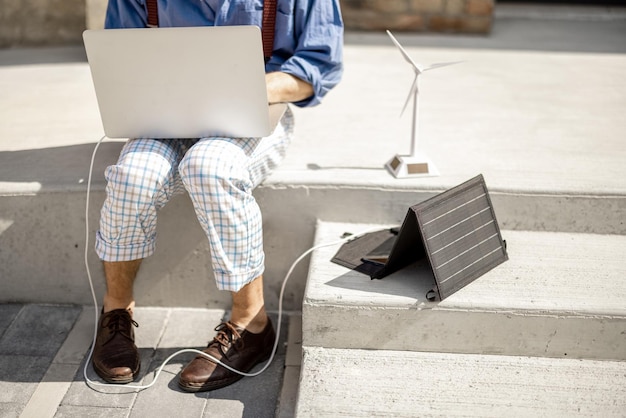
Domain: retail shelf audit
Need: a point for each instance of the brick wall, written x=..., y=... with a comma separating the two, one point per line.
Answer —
x=454, y=16
x=461, y=16
x=41, y=22
x=58, y=22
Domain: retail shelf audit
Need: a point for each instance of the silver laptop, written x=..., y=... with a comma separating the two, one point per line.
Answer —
x=181, y=82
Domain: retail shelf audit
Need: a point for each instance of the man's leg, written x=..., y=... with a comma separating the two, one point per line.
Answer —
x=249, y=307
x=120, y=276
x=241, y=343
x=141, y=182
x=219, y=175
x=115, y=357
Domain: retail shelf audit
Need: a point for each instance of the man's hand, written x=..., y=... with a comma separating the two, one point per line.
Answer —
x=283, y=88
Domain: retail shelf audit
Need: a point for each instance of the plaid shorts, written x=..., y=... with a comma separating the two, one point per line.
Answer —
x=218, y=173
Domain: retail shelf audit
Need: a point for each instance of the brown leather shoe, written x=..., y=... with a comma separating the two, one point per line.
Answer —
x=115, y=355
x=235, y=347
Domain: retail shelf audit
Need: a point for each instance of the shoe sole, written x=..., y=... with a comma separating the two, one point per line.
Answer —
x=190, y=387
x=208, y=386
x=120, y=380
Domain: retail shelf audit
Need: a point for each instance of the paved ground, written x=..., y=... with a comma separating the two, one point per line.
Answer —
x=43, y=349
x=528, y=105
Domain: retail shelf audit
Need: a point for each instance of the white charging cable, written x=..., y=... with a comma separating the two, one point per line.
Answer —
x=96, y=385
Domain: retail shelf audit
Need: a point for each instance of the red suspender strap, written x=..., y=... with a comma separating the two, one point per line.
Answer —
x=153, y=13
x=267, y=27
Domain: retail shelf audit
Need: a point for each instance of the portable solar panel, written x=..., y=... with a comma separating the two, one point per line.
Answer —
x=456, y=230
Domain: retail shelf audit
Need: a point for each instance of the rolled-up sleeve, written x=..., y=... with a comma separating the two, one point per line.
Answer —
x=318, y=55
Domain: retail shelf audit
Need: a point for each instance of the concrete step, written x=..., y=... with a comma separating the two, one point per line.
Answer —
x=384, y=383
x=559, y=295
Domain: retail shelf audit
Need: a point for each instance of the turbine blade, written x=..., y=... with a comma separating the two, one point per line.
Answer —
x=412, y=91
x=441, y=64
x=404, y=53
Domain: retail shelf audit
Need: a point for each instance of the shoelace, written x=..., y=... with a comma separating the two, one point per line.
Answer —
x=227, y=334
x=117, y=322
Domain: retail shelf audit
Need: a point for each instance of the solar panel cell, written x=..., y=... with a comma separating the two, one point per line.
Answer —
x=461, y=235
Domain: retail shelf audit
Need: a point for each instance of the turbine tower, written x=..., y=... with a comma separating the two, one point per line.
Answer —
x=414, y=164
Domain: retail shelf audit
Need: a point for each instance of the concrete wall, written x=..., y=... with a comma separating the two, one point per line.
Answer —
x=61, y=22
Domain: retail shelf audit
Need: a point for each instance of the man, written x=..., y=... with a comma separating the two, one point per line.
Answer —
x=219, y=174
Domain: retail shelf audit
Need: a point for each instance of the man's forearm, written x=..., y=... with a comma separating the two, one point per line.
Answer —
x=283, y=87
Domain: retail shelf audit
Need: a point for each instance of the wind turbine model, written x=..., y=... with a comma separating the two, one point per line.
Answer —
x=413, y=165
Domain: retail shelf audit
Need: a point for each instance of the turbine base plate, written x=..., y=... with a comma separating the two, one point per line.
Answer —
x=408, y=166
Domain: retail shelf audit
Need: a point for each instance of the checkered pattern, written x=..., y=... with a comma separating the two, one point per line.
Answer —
x=218, y=173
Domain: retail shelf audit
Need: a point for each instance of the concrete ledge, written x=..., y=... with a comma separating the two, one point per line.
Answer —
x=42, y=232
x=365, y=383
x=559, y=295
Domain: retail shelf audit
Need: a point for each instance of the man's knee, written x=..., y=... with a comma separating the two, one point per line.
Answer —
x=136, y=185
x=214, y=162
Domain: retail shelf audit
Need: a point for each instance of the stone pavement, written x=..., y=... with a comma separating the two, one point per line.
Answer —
x=43, y=349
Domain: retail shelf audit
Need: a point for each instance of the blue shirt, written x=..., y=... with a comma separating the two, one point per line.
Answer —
x=308, y=40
